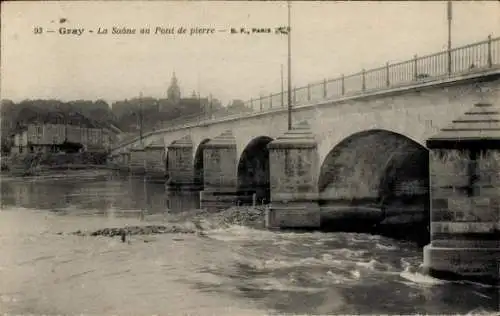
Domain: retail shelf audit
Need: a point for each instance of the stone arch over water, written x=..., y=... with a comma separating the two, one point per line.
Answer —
x=168, y=172
x=253, y=171
x=376, y=168
x=198, y=164
x=164, y=161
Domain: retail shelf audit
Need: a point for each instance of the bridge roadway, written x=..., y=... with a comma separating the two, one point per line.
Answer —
x=362, y=157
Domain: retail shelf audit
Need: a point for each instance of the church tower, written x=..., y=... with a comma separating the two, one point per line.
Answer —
x=174, y=92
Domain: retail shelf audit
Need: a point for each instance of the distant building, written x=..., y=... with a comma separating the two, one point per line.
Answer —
x=6, y=117
x=5, y=126
x=174, y=98
x=57, y=132
x=174, y=91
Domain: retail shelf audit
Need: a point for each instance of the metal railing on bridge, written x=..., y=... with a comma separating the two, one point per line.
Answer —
x=462, y=60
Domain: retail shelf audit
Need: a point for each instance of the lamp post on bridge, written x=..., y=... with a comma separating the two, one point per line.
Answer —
x=282, y=87
x=289, y=69
x=449, y=16
x=140, y=117
x=210, y=104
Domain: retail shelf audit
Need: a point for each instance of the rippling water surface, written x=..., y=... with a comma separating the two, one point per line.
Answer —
x=227, y=270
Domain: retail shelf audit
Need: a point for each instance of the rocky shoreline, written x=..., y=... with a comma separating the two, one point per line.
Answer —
x=192, y=222
x=199, y=222
x=137, y=230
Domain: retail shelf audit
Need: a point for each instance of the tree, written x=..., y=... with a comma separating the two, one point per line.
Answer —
x=238, y=106
x=6, y=145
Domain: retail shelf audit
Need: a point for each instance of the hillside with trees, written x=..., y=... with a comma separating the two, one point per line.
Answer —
x=129, y=115
x=125, y=115
x=154, y=112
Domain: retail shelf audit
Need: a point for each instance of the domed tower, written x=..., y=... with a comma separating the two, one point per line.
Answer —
x=174, y=92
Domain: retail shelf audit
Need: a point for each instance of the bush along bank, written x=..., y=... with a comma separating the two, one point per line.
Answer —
x=34, y=163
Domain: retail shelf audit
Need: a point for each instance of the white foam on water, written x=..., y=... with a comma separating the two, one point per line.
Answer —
x=332, y=278
x=348, y=253
x=417, y=278
x=481, y=295
x=374, y=265
x=411, y=264
x=269, y=284
x=476, y=284
x=327, y=257
x=325, y=260
x=481, y=311
x=359, y=237
x=386, y=247
x=239, y=233
x=355, y=274
x=280, y=264
x=282, y=242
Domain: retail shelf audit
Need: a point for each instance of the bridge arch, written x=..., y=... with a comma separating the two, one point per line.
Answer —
x=164, y=161
x=253, y=170
x=167, y=169
x=198, y=164
x=377, y=168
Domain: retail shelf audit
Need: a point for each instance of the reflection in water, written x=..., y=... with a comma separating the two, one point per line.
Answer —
x=183, y=200
x=111, y=192
x=229, y=270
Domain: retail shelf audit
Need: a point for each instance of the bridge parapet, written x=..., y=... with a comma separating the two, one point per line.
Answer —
x=469, y=59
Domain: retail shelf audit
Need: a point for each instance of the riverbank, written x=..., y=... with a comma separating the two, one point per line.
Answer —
x=74, y=167
x=33, y=164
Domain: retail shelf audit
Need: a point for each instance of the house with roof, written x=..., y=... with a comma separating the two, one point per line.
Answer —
x=60, y=132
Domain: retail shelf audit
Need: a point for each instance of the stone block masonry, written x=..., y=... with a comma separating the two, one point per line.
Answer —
x=137, y=162
x=465, y=197
x=220, y=172
x=458, y=178
x=155, y=155
x=294, y=193
x=180, y=164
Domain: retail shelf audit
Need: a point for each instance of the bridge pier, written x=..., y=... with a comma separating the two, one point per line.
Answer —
x=293, y=160
x=155, y=167
x=465, y=198
x=113, y=162
x=181, y=200
x=137, y=162
x=125, y=161
x=180, y=165
x=219, y=172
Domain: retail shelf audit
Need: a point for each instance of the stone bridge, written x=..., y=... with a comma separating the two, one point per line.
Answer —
x=357, y=158
x=365, y=146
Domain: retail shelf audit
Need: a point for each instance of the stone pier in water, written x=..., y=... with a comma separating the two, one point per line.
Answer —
x=419, y=169
x=465, y=197
x=294, y=193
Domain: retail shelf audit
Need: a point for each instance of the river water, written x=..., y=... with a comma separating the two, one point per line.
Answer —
x=227, y=270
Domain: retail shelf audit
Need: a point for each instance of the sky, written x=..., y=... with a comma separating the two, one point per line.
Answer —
x=328, y=39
